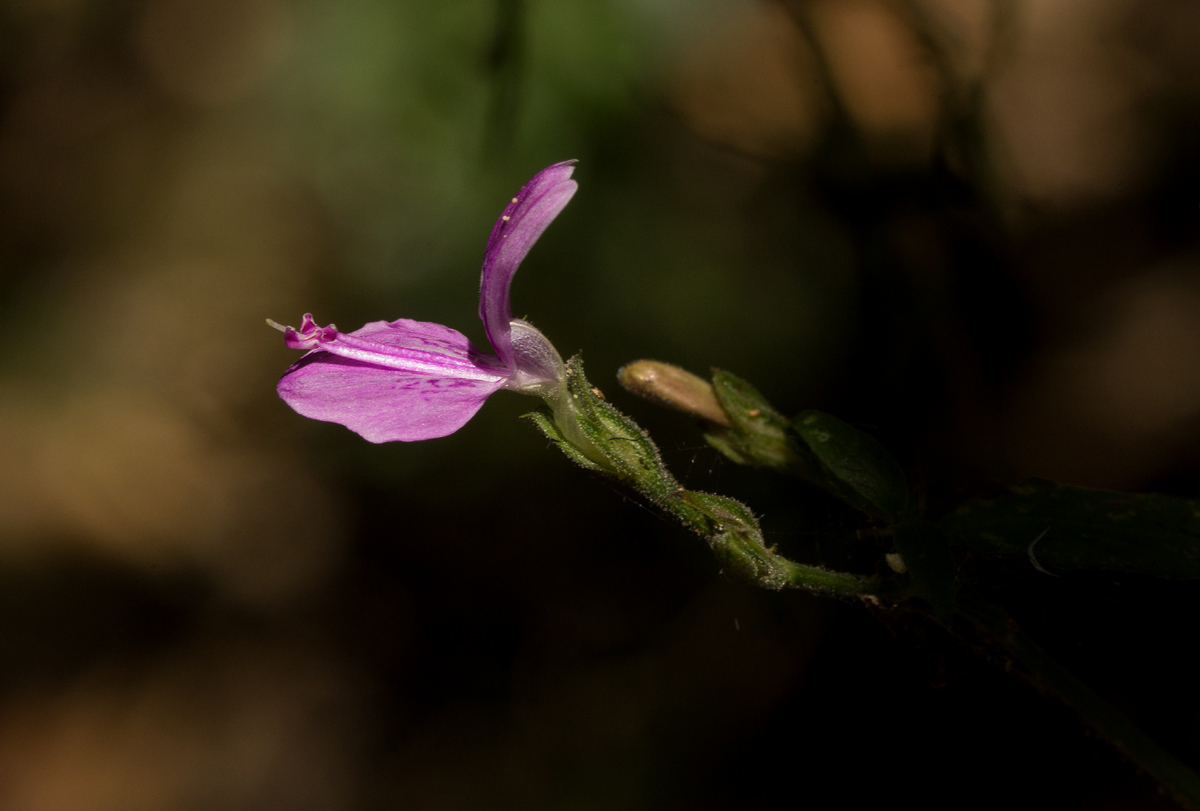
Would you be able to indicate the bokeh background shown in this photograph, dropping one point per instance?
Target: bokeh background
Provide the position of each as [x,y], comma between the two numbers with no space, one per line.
[970,226]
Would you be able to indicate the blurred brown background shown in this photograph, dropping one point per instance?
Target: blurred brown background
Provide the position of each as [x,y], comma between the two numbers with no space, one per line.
[971,226]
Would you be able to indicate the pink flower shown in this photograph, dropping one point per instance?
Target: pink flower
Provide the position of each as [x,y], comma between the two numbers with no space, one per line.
[407,380]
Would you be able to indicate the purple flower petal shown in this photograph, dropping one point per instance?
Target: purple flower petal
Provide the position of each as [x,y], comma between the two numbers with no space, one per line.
[409,380]
[523,220]
[404,380]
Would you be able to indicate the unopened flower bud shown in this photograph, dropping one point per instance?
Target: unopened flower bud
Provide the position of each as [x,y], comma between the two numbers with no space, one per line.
[673,387]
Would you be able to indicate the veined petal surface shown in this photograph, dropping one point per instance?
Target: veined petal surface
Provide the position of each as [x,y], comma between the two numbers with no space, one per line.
[394,381]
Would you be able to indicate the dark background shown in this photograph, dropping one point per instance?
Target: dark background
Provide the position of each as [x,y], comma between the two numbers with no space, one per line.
[970,228]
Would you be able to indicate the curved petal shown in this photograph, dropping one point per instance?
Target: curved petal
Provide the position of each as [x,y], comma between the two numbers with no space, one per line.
[521,223]
[404,380]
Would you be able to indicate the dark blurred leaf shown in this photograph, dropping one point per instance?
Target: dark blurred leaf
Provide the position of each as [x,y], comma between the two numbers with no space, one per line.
[1077,528]
[926,553]
[857,459]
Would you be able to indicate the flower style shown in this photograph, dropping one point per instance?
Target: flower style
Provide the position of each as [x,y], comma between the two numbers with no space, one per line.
[407,380]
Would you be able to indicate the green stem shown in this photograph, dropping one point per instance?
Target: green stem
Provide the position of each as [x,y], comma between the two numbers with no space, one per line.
[598,437]
[1051,677]
[844,584]
[735,537]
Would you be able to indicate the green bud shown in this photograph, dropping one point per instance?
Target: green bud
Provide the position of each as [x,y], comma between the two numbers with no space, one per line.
[673,387]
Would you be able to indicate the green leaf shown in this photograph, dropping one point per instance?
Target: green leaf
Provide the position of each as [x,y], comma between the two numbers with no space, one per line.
[759,433]
[857,460]
[727,445]
[1076,528]
[762,437]
[925,550]
[544,420]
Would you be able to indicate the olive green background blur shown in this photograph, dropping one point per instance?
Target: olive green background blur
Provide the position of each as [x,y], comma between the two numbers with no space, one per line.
[970,227]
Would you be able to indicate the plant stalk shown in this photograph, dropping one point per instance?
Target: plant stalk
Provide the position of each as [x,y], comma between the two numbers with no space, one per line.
[1178,779]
